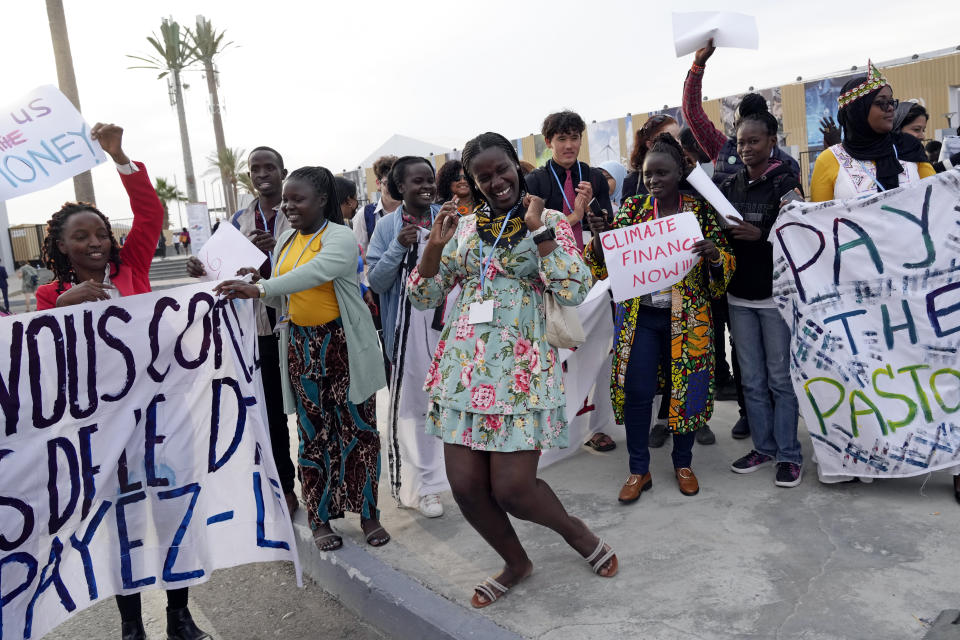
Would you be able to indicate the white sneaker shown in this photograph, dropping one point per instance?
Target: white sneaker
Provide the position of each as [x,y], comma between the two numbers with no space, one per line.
[430,506]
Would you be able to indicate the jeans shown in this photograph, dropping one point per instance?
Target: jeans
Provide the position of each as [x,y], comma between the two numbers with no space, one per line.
[763,340]
[651,347]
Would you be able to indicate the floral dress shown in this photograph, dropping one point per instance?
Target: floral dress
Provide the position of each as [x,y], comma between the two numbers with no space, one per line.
[691,381]
[497,386]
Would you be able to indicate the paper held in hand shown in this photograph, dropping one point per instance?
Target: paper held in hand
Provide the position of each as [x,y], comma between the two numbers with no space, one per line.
[692,31]
[226,251]
[650,256]
[704,185]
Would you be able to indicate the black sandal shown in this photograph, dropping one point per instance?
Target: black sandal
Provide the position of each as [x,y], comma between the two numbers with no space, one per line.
[595,442]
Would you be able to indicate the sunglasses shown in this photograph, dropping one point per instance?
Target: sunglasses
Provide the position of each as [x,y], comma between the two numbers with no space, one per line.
[886,105]
[655,121]
[459,178]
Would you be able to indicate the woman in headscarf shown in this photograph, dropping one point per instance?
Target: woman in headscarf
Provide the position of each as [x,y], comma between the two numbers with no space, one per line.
[872,157]
[615,173]
[911,117]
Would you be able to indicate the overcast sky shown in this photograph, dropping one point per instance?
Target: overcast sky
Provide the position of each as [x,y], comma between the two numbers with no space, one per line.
[328,82]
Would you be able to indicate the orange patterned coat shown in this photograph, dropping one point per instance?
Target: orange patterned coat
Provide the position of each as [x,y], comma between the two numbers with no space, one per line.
[691,381]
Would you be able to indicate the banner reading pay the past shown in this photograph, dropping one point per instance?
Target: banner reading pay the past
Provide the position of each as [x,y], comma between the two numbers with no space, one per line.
[871,290]
[650,256]
[133,453]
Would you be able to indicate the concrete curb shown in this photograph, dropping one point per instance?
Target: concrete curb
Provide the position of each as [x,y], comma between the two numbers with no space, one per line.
[380,595]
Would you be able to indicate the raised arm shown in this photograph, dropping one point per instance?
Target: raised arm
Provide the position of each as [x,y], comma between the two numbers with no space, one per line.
[137,252]
[710,139]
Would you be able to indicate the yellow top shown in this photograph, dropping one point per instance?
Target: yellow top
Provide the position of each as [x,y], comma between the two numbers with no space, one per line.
[826,169]
[314,306]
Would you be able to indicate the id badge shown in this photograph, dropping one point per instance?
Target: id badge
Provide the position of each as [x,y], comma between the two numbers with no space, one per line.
[660,298]
[481,312]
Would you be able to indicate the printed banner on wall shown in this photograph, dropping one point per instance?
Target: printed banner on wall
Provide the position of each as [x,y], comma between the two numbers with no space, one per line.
[821,102]
[134,453]
[43,140]
[871,290]
[604,141]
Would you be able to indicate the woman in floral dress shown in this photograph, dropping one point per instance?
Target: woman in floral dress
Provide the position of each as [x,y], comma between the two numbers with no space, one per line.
[495,384]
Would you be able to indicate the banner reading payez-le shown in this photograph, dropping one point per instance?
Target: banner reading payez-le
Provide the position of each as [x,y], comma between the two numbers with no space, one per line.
[871,291]
[133,453]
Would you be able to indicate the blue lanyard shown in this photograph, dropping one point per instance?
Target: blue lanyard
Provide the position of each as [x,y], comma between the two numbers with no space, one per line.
[266,228]
[485,265]
[557,178]
[283,256]
[873,176]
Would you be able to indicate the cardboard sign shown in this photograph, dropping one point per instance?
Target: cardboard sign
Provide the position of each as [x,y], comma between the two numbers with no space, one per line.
[226,251]
[134,453]
[43,140]
[650,256]
[870,288]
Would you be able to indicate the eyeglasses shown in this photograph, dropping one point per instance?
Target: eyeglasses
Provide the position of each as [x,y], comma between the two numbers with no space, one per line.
[886,105]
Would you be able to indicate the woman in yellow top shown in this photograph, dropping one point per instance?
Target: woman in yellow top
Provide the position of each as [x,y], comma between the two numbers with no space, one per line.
[871,157]
[332,364]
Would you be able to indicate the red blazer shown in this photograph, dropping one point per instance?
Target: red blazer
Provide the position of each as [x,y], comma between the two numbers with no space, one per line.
[132,276]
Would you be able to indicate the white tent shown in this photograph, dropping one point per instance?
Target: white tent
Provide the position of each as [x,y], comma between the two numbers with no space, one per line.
[398,145]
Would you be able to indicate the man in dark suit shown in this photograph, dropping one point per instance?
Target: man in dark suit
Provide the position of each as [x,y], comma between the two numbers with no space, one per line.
[565,183]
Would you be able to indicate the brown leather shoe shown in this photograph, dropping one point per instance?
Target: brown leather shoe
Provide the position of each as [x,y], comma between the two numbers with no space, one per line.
[634,486]
[687,481]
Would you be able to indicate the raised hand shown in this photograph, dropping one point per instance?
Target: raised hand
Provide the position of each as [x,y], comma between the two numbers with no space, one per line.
[702,55]
[110,137]
[534,215]
[444,226]
[830,131]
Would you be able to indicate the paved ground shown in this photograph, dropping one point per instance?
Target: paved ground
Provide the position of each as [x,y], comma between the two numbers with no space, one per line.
[252,602]
[741,560]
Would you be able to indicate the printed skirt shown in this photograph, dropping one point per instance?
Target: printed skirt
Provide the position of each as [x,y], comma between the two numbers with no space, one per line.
[339,453]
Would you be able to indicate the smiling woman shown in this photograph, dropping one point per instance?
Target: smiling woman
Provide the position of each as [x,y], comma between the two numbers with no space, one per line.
[410,335]
[872,157]
[88,266]
[87,262]
[495,384]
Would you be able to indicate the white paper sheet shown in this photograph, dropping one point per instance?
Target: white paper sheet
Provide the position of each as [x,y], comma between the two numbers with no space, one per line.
[226,251]
[692,31]
[700,181]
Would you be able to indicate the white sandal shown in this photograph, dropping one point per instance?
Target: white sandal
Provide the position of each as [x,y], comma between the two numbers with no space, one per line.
[598,559]
[489,589]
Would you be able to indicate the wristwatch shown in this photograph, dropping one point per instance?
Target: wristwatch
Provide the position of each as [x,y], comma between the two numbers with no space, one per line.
[260,288]
[544,234]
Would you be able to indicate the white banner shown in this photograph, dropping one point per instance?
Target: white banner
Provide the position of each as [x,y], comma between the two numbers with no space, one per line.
[198,221]
[650,256]
[134,453]
[43,140]
[871,290]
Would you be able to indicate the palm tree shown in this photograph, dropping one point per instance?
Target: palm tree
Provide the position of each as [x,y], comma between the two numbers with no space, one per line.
[245,181]
[231,164]
[174,56]
[206,45]
[82,183]
[167,192]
